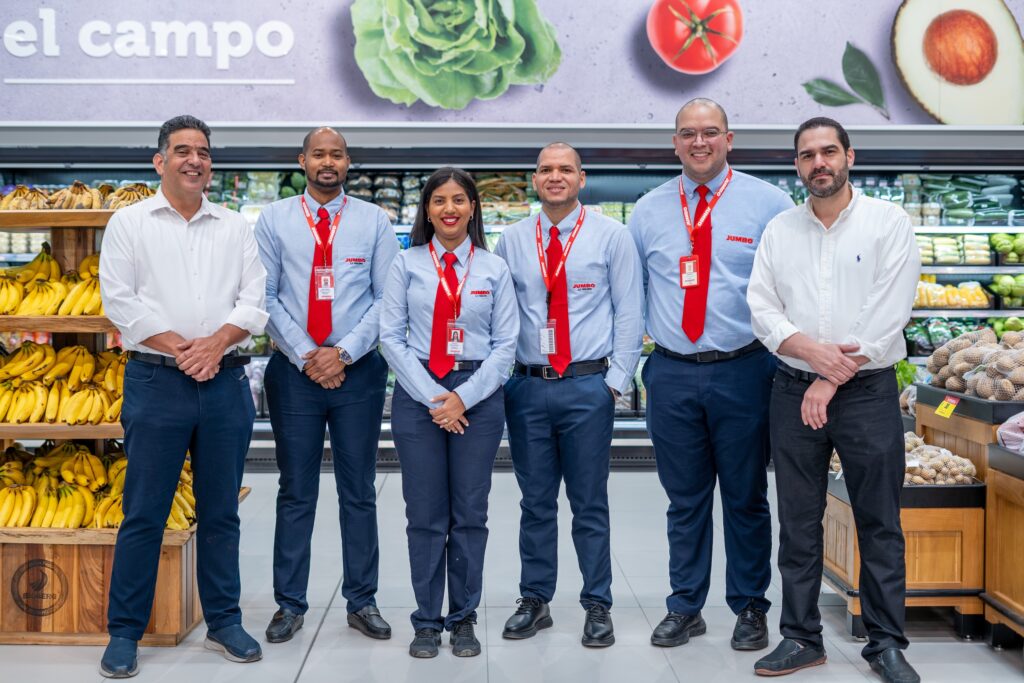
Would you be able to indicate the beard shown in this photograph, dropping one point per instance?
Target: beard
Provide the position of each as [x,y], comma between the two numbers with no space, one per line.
[839,180]
[326,185]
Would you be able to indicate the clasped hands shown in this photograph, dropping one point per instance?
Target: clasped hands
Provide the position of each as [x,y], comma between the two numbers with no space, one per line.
[200,358]
[450,415]
[834,367]
[324,367]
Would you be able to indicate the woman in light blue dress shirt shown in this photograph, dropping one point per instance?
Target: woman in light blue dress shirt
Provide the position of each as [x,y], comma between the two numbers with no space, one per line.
[449,324]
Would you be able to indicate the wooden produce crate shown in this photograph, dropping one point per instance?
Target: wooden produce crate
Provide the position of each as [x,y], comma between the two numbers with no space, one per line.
[944,529]
[55,585]
[1004,547]
[969,430]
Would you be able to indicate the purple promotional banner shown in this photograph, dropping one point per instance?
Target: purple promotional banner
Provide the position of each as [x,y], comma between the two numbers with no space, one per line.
[874,62]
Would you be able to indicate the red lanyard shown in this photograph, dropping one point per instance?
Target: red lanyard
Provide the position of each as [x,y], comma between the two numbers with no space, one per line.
[565,252]
[457,296]
[316,233]
[707,212]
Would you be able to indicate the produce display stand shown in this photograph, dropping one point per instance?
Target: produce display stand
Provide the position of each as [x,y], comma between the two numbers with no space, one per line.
[969,430]
[56,582]
[1004,547]
[944,528]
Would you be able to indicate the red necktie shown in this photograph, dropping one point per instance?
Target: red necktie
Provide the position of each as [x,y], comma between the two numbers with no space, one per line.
[440,362]
[558,305]
[318,323]
[696,298]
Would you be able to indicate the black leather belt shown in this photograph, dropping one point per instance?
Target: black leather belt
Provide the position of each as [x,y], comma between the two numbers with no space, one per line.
[710,356]
[231,360]
[459,365]
[809,377]
[583,367]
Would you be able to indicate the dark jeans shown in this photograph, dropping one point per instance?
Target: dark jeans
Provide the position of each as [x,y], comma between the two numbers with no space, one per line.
[300,412]
[562,429]
[165,414]
[864,426]
[446,479]
[708,422]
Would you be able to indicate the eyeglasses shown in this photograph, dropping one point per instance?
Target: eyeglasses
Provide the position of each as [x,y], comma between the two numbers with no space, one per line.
[708,134]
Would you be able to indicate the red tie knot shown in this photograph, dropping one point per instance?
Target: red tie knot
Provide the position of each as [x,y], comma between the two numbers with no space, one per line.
[554,233]
[449,259]
[702,190]
[322,214]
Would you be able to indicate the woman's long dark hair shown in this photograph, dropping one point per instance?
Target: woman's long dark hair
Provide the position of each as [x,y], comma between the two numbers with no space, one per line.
[423,231]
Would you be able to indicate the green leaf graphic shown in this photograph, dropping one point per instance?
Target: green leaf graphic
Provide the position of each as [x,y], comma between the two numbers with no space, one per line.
[830,93]
[862,77]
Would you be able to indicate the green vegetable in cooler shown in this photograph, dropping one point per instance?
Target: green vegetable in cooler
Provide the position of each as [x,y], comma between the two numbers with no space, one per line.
[1001,242]
[298,181]
[939,332]
[1013,324]
[1012,257]
[449,52]
[906,374]
[287,191]
[959,199]
[1018,245]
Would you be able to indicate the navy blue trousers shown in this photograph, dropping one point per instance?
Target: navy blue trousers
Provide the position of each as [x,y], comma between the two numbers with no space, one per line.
[562,429]
[300,412]
[165,414]
[709,421]
[446,479]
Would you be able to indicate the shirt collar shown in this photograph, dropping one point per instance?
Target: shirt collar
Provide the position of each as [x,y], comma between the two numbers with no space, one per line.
[461,252]
[332,206]
[565,225]
[690,185]
[855,195]
[160,202]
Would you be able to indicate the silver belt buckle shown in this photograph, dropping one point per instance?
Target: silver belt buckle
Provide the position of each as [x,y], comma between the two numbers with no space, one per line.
[544,373]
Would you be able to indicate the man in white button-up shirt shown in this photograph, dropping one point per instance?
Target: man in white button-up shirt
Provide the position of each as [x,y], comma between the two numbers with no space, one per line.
[832,287]
[182,280]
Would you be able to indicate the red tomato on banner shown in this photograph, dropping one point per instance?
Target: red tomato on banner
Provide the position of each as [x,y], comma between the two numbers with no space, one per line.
[695,36]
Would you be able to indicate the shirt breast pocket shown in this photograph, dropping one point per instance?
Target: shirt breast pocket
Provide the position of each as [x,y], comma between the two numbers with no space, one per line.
[352,268]
[737,251]
[588,283]
[477,301]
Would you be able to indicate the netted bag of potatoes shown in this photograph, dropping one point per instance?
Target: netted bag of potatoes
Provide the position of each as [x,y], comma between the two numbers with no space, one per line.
[931,465]
[1012,338]
[911,441]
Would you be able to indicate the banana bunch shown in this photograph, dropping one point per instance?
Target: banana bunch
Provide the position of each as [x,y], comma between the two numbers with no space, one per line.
[30,361]
[110,367]
[16,453]
[90,266]
[84,469]
[23,198]
[109,512]
[127,195]
[83,298]
[12,474]
[17,503]
[43,266]
[115,475]
[77,196]
[25,403]
[75,364]
[43,297]
[89,405]
[49,463]
[11,294]
[183,509]
[66,506]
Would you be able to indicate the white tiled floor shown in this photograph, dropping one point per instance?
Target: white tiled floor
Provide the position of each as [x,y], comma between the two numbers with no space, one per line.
[326,650]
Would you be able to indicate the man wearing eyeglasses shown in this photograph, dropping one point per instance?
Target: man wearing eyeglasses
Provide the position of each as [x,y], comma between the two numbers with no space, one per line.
[709,380]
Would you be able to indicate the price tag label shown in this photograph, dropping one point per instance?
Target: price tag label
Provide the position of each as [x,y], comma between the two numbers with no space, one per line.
[948,405]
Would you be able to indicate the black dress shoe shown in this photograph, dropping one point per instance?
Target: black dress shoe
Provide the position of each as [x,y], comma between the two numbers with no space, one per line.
[424,645]
[531,616]
[463,639]
[751,632]
[369,621]
[120,659]
[788,657]
[597,629]
[283,626]
[892,666]
[676,629]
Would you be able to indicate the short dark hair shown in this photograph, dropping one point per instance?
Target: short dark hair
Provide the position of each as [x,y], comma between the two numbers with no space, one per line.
[310,134]
[423,231]
[562,145]
[183,122]
[822,122]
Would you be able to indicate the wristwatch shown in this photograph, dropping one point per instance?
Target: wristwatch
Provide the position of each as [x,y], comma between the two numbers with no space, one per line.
[345,357]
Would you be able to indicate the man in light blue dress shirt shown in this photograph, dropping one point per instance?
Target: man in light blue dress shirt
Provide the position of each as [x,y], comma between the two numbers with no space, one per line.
[336,382]
[707,396]
[560,423]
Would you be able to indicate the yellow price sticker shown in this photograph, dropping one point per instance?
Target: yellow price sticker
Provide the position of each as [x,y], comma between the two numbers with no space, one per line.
[948,405]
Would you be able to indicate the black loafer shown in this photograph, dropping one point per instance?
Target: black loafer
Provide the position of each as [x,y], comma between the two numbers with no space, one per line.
[424,645]
[283,626]
[463,639]
[751,631]
[120,659]
[893,667]
[788,657]
[597,629]
[370,623]
[531,616]
[676,629]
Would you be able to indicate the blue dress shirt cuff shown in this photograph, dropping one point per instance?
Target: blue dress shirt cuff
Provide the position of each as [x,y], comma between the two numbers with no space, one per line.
[617,379]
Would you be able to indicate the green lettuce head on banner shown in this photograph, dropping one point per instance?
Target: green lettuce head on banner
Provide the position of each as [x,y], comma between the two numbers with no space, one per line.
[449,52]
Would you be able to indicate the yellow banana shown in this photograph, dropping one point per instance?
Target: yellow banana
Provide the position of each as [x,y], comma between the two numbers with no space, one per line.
[99,474]
[98,518]
[99,406]
[116,467]
[28,507]
[113,413]
[67,470]
[69,408]
[60,516]
[90,506]
[40,402]
[52,403]
[42,504]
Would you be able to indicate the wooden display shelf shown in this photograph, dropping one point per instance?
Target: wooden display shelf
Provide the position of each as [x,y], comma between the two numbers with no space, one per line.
[55,430]
[54,218]
[88,324]
[1004,547]
[964,436]
[56,586]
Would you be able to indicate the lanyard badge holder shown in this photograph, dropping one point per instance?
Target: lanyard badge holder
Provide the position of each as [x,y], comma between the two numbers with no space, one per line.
[548,345]
[323,275]
[324,283]
[455,335]
[689,266]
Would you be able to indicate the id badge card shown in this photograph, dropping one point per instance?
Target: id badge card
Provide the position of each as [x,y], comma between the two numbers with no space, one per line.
[324,283]
[689,273]
[547,339]
[456,338]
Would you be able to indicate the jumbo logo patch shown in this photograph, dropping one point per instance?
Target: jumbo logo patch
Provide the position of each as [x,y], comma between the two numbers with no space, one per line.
[480,292]
[739,238]
[356,260]
[584,285]
[39,588]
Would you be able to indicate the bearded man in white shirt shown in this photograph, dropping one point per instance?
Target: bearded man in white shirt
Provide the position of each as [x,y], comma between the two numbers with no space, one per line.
[182,280]
[832,287]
